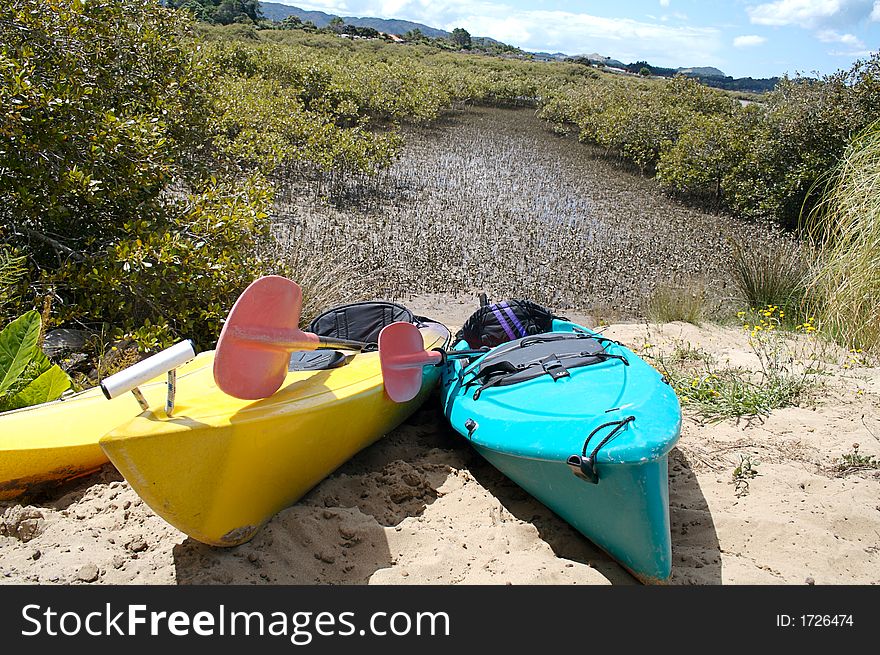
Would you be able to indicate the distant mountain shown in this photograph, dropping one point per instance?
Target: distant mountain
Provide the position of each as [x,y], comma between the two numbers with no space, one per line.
[702,71]
[276,11]
[549,56]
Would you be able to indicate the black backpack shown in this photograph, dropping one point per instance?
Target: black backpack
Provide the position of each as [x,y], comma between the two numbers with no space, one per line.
[492,325]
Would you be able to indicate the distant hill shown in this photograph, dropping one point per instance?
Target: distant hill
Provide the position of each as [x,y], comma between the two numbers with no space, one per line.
[706,74]
[702,71]
[596,58]
[276,11]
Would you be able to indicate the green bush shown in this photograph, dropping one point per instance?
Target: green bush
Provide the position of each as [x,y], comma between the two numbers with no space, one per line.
[98,96]
[759,161]
[635,119]
[176,275]
[134,160]
[700,161]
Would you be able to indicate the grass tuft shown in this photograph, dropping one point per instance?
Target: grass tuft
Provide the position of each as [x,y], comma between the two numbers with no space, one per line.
[325,282]
[765,276]
[671,303]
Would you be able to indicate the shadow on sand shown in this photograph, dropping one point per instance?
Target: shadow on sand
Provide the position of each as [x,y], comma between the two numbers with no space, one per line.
[564,540]
[696,553]
[695,550]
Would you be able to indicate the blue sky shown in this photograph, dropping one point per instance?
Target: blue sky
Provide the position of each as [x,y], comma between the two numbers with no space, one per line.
[757,38]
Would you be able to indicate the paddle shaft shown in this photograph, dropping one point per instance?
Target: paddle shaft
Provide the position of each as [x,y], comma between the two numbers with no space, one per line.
[346,344]
[293,339]
[465,353]
[434,357]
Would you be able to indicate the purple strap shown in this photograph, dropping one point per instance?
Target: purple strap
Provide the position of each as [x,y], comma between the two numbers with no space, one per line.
[513,319]
[504,324]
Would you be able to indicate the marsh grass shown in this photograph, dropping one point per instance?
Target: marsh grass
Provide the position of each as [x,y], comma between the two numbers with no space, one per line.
[845,289]
[327,279]
[490,202]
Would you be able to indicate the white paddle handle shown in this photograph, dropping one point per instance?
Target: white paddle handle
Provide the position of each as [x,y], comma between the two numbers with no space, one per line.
[152,367]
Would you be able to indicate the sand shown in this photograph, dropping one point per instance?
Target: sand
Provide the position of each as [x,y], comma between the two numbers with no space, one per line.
[421,507]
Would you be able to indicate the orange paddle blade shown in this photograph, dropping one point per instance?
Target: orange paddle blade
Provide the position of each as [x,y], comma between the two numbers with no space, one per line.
[403,356]
[253,351]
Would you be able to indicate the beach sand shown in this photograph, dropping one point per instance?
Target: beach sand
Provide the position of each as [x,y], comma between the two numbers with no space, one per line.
[420,506]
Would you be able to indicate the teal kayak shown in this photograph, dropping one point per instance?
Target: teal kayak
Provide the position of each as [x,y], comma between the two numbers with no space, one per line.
[582,424]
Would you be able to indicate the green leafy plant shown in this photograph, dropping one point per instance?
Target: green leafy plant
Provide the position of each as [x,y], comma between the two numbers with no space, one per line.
[27,377]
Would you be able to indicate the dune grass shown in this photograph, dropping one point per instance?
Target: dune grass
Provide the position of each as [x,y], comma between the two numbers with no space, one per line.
[677,303]
[845,288]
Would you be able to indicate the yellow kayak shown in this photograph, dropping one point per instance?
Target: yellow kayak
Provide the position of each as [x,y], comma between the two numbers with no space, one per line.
[47,444]
[221,467]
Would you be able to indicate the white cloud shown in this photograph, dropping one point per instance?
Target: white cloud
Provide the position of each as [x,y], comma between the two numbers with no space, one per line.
[328,6]
[664,3]
[748,40]
[621,38]
[855,47]
[832,36]
[812,14]
[850,54]
[536,29]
